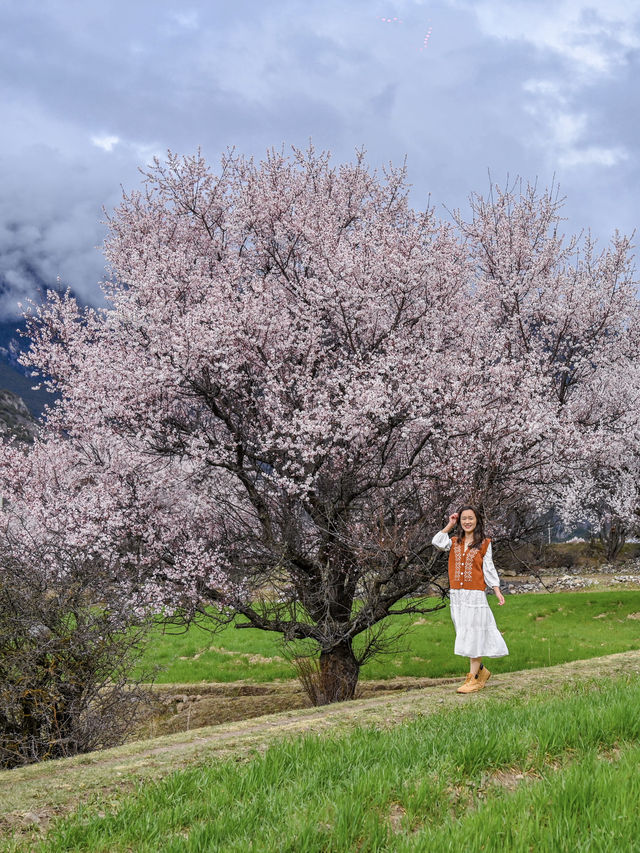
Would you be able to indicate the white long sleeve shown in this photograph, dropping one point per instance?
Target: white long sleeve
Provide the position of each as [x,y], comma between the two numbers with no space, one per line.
[441,541]
[489,570]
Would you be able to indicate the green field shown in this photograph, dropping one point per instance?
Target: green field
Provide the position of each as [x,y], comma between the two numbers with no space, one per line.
[540,630]
[531,773]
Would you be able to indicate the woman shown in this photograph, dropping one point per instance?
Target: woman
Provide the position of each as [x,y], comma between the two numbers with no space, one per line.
[471,569]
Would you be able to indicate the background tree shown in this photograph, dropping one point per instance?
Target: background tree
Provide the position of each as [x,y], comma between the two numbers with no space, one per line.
[565,330]
[299,375]
[609,496]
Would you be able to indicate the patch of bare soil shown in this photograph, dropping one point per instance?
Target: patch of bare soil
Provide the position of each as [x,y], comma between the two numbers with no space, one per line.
[32,795]
[183,707]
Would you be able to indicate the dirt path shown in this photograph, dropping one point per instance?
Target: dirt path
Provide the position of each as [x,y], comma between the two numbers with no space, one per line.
[33,794]
[182,707]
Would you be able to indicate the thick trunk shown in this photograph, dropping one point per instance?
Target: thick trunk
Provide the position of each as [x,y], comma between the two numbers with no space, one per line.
[337,674]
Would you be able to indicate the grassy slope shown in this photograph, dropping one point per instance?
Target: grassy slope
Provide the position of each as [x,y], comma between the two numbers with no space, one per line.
[100,779]
[537,628]
[540,630]
[552,766]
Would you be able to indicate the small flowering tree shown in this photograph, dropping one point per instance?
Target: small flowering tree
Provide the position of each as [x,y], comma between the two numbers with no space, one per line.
[299,375]
[609,493]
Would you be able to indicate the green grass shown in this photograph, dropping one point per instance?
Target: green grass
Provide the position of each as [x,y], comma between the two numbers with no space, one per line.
[540,630]
[555,773]
[594,806]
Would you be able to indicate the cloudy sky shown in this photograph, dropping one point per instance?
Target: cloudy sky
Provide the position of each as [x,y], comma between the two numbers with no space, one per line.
[91,91]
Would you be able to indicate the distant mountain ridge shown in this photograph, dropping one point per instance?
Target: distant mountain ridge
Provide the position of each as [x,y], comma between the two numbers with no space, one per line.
[10,340]
[13,376]
[15,418]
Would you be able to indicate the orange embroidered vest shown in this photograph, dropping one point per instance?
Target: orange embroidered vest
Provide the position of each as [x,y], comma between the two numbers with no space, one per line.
[465,569]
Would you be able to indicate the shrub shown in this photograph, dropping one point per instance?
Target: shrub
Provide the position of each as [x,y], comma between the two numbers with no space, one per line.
[67,647]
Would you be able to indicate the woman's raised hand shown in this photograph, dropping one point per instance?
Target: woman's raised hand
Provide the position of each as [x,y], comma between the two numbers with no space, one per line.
[452,522]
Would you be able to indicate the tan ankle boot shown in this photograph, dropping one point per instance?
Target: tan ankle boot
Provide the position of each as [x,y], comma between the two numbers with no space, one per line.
[483,676]
[475,682]
[469,684]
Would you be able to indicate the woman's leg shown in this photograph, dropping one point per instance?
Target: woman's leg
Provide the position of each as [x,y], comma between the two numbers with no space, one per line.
[474,665]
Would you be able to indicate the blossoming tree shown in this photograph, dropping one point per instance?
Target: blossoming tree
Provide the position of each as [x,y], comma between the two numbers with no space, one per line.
[566,318]
[299,374]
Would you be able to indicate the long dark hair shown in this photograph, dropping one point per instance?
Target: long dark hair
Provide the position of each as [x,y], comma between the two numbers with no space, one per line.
[478,533]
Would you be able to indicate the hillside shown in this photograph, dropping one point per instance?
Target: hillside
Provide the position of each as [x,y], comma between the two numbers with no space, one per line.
[12,374]
[20,385]
[34,794]
[15,417]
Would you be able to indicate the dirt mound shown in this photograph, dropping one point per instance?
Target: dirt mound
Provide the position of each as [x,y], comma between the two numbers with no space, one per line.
[183,707]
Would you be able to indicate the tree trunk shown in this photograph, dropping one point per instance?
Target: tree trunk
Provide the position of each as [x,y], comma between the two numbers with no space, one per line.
[338,674]
[613,537]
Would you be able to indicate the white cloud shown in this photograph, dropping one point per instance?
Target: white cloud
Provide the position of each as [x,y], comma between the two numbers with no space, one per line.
[187,20]
[520,87]
[52,231]
[593,38]
[105,142]
[563,131]
[548,88]
[593,155]
[585,46]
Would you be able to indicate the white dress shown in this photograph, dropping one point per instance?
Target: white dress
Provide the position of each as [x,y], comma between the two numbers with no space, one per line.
[477,634]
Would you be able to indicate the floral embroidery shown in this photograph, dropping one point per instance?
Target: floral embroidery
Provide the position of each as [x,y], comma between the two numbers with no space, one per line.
[468,563]
[458,560]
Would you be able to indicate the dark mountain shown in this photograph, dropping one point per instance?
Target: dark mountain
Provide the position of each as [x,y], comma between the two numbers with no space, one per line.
[10,340]
[15,382]
[15,417]
[13,376]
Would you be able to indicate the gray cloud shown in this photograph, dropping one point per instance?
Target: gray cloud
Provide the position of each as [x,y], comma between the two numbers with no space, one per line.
[50,224]
[91,91]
